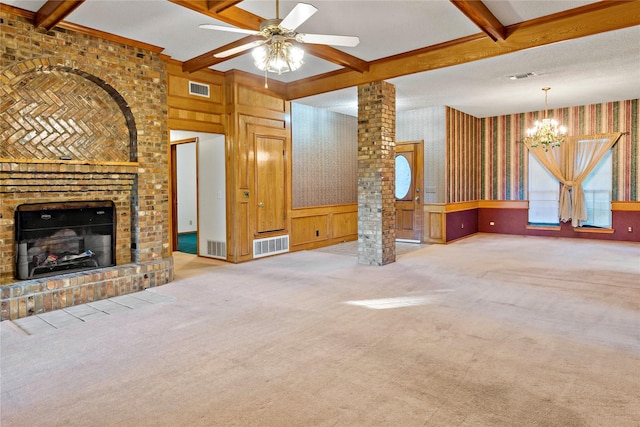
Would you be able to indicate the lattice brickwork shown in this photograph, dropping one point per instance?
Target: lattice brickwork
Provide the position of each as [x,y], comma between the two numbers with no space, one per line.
[54,114]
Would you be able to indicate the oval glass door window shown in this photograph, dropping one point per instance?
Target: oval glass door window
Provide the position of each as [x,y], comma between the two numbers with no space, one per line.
[403,177]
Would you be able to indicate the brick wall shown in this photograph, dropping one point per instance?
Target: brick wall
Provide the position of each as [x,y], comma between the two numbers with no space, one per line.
[376,173]
[101,104]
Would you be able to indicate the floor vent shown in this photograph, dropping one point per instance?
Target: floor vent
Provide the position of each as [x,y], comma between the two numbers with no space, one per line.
[217,249]
[198,89]
[270,246]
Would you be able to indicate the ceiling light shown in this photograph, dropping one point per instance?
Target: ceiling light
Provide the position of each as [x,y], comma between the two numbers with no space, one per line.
[547,132]
[278,56]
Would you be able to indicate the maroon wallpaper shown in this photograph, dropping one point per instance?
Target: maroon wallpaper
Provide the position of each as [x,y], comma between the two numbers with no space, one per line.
[461,224]
[514,221]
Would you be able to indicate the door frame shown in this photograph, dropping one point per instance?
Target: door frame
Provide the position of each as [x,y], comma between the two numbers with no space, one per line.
[173,184]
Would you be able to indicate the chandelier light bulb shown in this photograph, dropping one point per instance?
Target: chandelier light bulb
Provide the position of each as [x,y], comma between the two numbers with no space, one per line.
[278,57]
[546,132]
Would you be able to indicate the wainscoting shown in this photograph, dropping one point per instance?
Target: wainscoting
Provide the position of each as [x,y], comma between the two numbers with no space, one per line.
[323,226]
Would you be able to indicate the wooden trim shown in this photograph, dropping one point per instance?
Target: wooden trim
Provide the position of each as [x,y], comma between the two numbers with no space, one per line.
[173,191]
[184,141]
[439,207]
[461,206]
[70,162]
[12,10]
[594,230]
[543,227]
[322,210]
[195,126]
[486,204]
[625,206]
[503,204]
[108,36]
[628,206]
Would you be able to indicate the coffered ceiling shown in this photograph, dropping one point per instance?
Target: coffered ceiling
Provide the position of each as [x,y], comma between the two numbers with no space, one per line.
[436,52]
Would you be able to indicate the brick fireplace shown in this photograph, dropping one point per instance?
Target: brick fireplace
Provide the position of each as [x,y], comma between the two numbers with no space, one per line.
[83,120]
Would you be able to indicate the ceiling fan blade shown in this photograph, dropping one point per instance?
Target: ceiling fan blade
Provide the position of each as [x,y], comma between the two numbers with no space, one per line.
[233,51]
[229,29]
[297,16]
[349,41]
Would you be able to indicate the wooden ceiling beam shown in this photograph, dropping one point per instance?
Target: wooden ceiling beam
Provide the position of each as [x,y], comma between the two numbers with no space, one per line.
[208,59]
[594,18]
[54,11]
[219,6]
[480,15]
[232,15]
[336,56]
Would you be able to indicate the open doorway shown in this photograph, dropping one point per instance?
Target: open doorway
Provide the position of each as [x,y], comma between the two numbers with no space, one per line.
[198,193]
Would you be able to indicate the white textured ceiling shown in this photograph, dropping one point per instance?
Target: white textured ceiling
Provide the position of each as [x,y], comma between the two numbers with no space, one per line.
[599,68]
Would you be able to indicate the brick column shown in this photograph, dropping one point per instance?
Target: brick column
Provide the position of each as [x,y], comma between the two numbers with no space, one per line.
[376,173]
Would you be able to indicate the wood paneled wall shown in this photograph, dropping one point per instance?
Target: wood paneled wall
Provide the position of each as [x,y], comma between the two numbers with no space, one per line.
[322,226]
[192,112]
[244,111]
[254,112]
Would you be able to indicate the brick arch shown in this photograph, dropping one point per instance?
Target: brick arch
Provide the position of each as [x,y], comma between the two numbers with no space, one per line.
[61,104]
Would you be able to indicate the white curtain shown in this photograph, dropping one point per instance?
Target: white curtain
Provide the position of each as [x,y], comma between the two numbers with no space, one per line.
[570,164]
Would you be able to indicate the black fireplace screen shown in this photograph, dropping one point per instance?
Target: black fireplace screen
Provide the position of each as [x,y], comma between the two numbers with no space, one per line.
[56,238]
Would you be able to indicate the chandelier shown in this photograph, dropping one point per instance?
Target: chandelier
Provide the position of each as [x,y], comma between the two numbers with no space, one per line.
[278,56]
[546,132]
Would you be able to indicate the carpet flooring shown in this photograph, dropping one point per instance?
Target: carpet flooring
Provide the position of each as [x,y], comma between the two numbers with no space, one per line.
[491,330]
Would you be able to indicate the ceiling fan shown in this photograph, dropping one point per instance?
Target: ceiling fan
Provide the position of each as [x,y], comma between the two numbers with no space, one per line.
[281,55]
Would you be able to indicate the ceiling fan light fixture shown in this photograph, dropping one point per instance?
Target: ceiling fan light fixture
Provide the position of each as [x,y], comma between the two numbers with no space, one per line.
[279,56]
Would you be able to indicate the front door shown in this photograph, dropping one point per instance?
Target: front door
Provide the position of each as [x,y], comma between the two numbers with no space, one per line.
[408,189]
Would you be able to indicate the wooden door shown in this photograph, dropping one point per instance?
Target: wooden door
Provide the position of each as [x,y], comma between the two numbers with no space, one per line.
[408,189]
[270,183]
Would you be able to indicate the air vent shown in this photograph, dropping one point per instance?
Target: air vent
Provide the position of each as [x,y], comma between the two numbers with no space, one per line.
[521,76]
[217,249]
[198,89]
[270,246]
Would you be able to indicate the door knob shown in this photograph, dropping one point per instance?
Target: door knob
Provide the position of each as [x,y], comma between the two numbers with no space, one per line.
[261,205]
[417,198]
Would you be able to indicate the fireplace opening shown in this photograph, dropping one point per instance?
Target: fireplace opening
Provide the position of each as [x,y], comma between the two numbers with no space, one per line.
[56,238]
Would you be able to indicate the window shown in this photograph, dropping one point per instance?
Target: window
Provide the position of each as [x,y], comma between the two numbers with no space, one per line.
[544,194]
[597,193]
[544,191]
